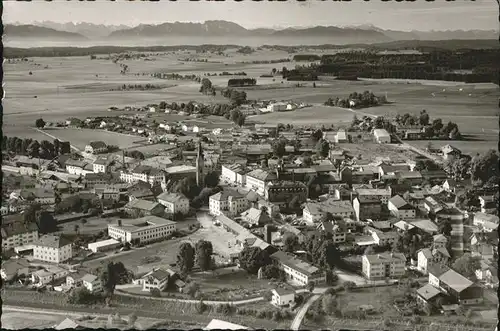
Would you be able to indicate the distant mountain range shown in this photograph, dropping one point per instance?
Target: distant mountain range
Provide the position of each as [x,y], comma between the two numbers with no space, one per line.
[366,33]
[39,32]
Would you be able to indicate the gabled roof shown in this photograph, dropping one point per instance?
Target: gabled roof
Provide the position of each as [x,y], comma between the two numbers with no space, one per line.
[216,324]
[437,270]
[172,197]
[428,292]
[159,274]
[15,228]
[283,291]
[262,175]
[455,280]
[226,194]
[52,241]
[89,278]
[399,202]
[295,263]
[426,252]
[142,204]
[67,324]
[385,257]
[256,216]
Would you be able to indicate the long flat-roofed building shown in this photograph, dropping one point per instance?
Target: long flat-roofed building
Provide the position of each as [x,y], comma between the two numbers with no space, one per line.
[145,229]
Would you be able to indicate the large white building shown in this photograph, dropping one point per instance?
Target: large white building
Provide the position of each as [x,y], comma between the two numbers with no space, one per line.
[174,203]
[382,136]
[384,194]
[383,265]
[233,174]
[15,234]
[297,270]
[229,202]
[145,229]
[52,248]
[257,180]
[78,167]
[143,173]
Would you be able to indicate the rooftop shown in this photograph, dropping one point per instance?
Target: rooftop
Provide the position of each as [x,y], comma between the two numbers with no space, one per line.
[329,206]
[171,197]
[428,291]
[455,280]
[52,241]
[262,175]
[295,263]
[226,194]
[386,257]
[142,204]
[143,223]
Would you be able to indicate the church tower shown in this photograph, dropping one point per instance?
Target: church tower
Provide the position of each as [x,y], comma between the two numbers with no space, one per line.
[200,164]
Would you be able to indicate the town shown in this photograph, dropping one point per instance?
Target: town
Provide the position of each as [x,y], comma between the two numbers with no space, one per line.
[319,223]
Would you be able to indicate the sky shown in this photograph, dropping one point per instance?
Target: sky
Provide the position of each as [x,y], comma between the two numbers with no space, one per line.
[419,15]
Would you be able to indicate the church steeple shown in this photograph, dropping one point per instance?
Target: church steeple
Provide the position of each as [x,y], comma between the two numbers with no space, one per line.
[200,164]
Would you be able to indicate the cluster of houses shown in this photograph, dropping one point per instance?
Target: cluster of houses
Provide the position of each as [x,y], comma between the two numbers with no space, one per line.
[360,204]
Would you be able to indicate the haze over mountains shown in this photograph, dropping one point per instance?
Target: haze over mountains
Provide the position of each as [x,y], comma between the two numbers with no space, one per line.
[221,31]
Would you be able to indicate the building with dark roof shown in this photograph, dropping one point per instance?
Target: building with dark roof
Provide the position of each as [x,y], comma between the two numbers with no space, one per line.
[229,202]
[139,208]
[18,233]
[286,193]
[400,208]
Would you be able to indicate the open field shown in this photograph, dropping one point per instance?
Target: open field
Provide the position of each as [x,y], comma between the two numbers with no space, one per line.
[473,107]
[467,147]
[17,320]
[373,151]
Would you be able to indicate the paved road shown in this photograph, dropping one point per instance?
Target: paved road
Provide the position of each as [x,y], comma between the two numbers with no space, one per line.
[302,312]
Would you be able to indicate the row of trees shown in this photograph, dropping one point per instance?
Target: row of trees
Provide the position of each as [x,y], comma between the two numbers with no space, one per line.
[235,82]
[200,255]
[139,87]
[29,147]
[357,100]
[226,73]
[237,97]
[175,76]
[434,129]
[483,169]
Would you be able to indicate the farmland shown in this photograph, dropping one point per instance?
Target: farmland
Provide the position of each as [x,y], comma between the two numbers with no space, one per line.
[62,87]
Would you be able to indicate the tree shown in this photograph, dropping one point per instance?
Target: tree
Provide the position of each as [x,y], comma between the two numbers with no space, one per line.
[187,186]
[114,274]
[278,147]
[40,123]
[204,251]
[212,179]
[186,258]
[317,135]
[290,241]
[310,286]
[329,304]
[46,222]
[424,118]
[253,258]
[484,167]
[466,265]
[155,292]
[379,122]
[272,271]
[369,250]
[34,149]
[322,148]
[437,125]
[331,278]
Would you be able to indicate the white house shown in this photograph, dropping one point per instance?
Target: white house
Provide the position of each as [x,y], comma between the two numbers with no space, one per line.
[230,202]
[282,297]
[15,234]
[427,257]
[156,279]
[486,222]
[48,275]
[100,165]
[96,147]
[233,174]
[92,283]
[143,229]
[382,136]
[314,211]
[400,208]
[257,180]
[297,270]
[278,106]
[384,265]
[143,173]
[174,203]
[52,248]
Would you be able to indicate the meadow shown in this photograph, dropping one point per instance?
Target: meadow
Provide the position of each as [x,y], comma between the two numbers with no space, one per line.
[77,86]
